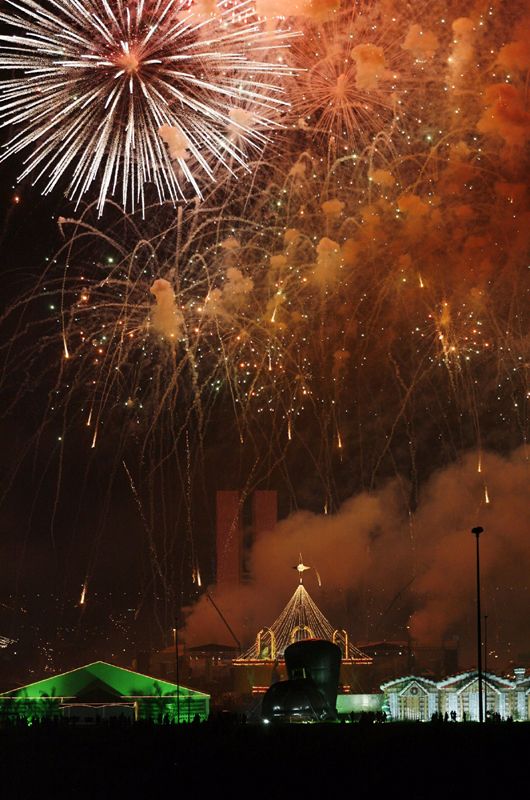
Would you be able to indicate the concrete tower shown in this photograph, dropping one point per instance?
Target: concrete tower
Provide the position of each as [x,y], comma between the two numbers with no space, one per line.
[264,511]
[229,537]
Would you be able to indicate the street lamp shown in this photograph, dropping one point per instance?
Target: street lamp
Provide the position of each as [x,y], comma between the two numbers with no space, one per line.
[176,646]
[485,665]
[476,532]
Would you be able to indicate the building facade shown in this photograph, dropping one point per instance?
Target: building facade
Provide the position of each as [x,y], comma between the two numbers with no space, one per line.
[415,698]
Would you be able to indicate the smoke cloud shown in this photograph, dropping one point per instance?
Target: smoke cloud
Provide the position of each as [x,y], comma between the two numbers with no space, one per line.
[316,10]
[421,43]
[463,47]
[329,261]
[176,141]
[236,289]
[505,114]
[166,318]
[388,573]
[371,67]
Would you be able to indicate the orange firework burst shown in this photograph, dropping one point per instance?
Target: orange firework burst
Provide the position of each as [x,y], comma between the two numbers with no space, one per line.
[352,75]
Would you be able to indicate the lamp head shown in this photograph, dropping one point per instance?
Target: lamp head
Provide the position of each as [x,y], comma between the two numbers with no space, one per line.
[477,530]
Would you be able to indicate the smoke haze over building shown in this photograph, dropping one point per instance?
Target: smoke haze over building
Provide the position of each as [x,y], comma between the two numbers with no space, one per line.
[417,570]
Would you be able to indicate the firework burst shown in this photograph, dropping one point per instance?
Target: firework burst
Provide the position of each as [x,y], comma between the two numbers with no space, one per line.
[129,94]
[352,76]
[348,312]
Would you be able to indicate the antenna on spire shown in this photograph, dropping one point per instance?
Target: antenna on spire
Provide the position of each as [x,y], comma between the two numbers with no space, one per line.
[301,568]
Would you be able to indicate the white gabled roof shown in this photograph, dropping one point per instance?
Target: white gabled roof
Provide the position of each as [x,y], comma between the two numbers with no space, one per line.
[409,679]
[467,678]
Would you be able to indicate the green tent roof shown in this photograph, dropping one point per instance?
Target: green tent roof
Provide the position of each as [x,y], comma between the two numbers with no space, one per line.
[124,683]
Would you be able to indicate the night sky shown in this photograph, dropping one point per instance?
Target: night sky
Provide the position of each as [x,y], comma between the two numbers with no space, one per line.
[344,319]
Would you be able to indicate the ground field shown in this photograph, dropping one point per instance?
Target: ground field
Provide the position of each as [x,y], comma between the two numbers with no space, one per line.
[228,759]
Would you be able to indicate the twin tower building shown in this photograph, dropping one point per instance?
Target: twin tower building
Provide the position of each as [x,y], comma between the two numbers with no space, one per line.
[238,522]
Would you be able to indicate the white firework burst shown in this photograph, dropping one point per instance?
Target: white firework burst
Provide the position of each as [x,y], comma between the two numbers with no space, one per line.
[124,94]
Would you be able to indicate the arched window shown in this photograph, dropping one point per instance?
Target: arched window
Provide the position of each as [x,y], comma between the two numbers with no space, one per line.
[266,644]
[301,632]
[340,638]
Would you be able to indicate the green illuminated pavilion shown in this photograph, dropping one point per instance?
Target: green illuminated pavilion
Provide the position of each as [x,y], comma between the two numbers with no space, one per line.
[102,691]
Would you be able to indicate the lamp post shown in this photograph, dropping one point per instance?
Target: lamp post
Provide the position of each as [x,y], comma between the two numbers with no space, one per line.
[476,532]
[485,666]
[176,644]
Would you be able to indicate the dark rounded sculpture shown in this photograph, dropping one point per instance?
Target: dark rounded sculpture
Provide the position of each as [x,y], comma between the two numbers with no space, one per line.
[319,660]
[310,694]
[296,700]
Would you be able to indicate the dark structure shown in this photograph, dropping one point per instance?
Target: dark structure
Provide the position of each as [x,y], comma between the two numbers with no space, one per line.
[264,510]
[233,534]
[393,659]
[476,532]
[300,620]
[310,693]
[229,538]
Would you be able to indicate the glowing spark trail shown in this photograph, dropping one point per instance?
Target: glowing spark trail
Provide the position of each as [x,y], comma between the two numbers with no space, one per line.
[134,93]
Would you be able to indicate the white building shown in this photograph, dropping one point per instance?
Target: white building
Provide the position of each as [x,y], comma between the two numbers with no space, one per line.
[416,698]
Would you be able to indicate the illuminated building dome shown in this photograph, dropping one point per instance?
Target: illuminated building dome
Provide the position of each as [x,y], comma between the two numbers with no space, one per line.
[264,662]
[301,619]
